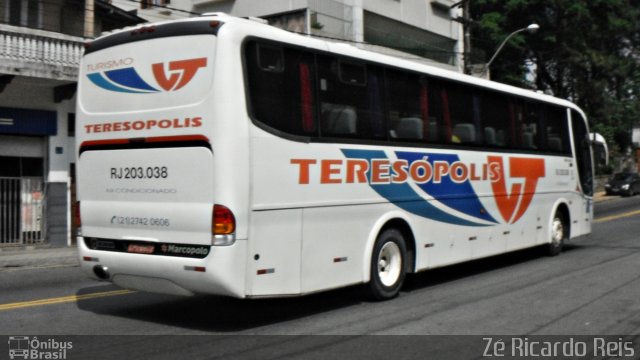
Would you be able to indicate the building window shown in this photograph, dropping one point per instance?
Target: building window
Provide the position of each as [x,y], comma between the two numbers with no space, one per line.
[383,31]
[24,13]
[295,21]
[441,9]
[71,124]
[17,166]
[147,4]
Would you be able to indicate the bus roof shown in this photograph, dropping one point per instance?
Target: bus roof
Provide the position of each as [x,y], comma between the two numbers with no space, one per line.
[262,30]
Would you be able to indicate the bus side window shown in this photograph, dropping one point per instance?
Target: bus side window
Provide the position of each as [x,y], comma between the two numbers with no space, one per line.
[306,98]
[557,135]
[460,104]
[352,74]
[339,120]
[270,58]
[445,129]
[281,88]
[350,99]
[495,119]
[516,128]
[375,114]
[531,135]
[408,106]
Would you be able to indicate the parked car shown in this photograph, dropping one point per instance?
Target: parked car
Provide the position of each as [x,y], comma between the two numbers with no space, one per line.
[626,184]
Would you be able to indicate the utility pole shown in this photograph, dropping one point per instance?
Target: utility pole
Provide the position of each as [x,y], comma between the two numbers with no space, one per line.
[89,18]
[466,22]
[357,21]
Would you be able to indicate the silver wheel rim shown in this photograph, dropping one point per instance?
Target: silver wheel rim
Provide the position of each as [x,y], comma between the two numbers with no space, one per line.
[557,232]
[389,264]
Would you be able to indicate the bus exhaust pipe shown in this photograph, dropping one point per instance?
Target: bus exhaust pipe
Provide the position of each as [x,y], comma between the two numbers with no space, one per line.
[101,272]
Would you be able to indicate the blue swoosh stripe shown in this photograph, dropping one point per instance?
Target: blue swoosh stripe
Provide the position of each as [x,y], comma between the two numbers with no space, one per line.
[460,196]
[129,77]
[404,197]
[100,81]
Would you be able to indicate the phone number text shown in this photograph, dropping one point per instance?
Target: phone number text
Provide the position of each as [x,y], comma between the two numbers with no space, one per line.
[141,221]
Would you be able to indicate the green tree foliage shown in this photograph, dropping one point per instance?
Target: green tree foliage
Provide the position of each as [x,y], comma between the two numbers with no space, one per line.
[585,51]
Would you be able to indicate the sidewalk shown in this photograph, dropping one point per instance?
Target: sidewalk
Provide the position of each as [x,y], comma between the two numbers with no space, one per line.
[600,196]
[11,258]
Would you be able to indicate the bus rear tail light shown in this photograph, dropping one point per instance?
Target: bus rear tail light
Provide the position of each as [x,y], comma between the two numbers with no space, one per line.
[223,220]
[223,226]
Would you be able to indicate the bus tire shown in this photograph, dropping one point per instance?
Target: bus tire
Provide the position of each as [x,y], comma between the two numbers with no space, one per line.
[559,233]
[388,266]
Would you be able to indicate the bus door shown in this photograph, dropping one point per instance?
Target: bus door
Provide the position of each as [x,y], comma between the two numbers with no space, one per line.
[584,164]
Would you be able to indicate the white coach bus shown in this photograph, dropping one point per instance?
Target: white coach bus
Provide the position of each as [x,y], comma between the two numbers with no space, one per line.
[221,155]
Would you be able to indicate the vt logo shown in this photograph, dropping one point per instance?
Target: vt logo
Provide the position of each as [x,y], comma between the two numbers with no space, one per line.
[514,203]
[182,72]
[127,80]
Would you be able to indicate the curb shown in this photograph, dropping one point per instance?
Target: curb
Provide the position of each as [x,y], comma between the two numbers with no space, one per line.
[30,256]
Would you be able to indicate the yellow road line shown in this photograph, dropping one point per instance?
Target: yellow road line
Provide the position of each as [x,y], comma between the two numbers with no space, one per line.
[63,299]
[618,216]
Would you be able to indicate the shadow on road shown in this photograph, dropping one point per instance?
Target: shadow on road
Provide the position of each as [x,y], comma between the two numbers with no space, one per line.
[454,272]
[215,313]
[221,314]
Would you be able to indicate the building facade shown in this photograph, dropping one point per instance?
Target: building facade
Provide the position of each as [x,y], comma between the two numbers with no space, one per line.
[157,10]
[41,42]
[422,30]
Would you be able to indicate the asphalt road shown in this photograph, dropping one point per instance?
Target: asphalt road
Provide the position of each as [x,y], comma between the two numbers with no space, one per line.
[591,289]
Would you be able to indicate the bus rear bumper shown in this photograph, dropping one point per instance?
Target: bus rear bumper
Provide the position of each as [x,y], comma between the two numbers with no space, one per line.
[220,273]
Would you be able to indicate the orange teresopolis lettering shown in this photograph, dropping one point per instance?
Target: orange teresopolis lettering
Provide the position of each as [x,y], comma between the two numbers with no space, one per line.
[380,171]
[386,171]
[329,168]
[421,171]
[357,170]
[400,172]
[303,171]
[138,125]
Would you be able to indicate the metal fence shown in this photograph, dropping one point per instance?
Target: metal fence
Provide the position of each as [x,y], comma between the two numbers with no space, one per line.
[22,204]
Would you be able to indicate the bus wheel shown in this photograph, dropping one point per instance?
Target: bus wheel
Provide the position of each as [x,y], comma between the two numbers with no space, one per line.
[559,232]
[388,263]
